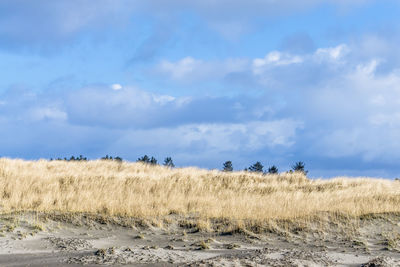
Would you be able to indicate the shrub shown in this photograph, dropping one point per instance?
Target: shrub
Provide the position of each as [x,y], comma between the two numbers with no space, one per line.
[153,161]
[256,167]
[273,170]
[168,162]
[227,166]
[144,159]
[147,160]
[107,157]
[82,158]
[299,167]
[72,158]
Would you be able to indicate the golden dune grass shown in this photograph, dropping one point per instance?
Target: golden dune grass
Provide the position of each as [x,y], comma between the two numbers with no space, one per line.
[143,191]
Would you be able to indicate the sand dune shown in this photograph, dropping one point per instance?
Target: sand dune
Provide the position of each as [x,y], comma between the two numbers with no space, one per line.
[107,212]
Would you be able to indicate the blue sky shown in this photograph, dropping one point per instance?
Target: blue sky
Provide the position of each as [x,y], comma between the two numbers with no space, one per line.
[204,82]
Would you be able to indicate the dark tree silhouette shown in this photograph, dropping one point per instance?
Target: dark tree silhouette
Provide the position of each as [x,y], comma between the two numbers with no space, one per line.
[107,157]
[82,158]
[168,162]
[299,167]
[147,160]
[153,161]
[273,170]
[228,166]
[144,159]
[72,158]
[256,167]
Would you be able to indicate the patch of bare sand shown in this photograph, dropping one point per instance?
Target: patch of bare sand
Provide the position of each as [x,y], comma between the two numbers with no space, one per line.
[29,240]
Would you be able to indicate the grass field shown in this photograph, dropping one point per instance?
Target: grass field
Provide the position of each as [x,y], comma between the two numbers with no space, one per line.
[118,212]
[143,191]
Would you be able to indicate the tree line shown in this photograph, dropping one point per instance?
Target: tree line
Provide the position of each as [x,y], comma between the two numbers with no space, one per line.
[168,162]
[259,168]
[226,167]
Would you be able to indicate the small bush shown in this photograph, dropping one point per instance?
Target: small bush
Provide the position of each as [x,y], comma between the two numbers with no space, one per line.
[153,161]
[72,158]
[147,160]
[272,170]
[227,166]
[107,157]
[144,159]
[168,162]
[299,167]
[256,167]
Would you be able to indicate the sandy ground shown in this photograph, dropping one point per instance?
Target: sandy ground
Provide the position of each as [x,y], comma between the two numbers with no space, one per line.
[27,240]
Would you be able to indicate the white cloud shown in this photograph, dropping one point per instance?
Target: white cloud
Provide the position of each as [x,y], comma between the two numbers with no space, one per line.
[353,108]
[275,58]
[219,137]
[164,99]
[189,69]
[339,97]
[363,108]
[332,53]
[116,86]
[180,69]
[130,107]
[130,121]
[365,70]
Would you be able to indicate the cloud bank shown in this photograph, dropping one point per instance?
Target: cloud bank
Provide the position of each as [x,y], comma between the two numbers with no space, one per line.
[204,82]
[345,110]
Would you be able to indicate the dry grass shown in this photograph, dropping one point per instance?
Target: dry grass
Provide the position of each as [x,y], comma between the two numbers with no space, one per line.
[143,191]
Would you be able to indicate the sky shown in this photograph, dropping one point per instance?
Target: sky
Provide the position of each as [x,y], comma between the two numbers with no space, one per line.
[204,81]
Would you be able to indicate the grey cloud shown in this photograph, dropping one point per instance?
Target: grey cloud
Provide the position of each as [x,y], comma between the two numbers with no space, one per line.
[41,24]
[152,45]
[133,108]
[129,122]
[129,108]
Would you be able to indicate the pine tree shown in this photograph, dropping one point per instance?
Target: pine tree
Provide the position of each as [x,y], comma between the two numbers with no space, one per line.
[227,166]
[168,162]
[144,159]
[153,161]
[256,167]
[299,167]
[273,170]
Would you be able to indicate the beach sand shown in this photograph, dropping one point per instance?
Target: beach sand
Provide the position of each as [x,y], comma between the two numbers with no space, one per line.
[29,239]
